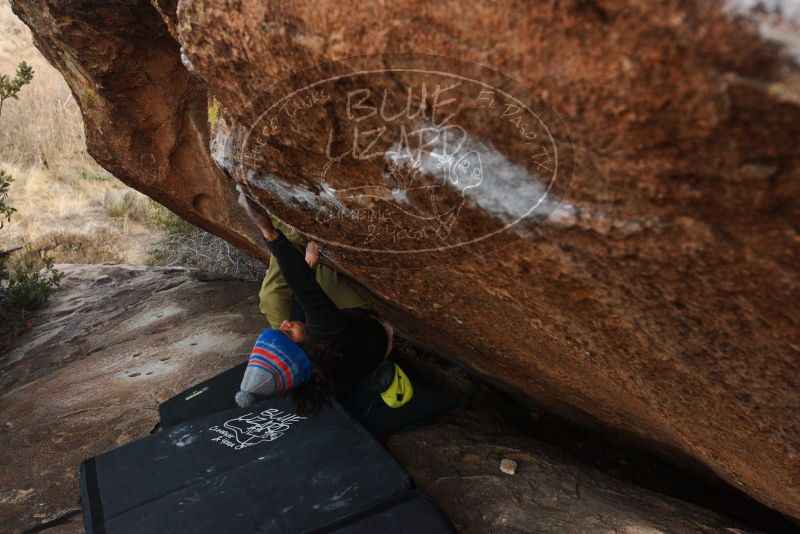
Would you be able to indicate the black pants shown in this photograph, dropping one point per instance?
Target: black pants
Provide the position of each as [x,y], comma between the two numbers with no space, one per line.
[322,317]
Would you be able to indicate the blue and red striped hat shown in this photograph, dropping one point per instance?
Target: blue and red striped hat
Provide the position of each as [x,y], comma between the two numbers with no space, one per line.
[277,365]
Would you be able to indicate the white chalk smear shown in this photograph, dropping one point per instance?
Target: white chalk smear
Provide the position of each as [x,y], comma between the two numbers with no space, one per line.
[293,194]
[778,21]
[483,174]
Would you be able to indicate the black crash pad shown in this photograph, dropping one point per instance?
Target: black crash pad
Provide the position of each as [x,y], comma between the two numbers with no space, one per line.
[261,469]
[208,397]
[217,394]
[407,513]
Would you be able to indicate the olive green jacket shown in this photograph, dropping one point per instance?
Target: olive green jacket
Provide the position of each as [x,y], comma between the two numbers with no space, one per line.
[275,297]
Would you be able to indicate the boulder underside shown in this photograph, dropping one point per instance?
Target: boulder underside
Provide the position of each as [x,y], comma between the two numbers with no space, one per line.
[653,290]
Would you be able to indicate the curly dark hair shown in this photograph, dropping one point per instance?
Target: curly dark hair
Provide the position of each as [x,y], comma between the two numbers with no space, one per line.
[326,358]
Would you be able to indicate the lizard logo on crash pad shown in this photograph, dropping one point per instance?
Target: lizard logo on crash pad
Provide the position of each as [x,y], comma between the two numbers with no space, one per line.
[254,428]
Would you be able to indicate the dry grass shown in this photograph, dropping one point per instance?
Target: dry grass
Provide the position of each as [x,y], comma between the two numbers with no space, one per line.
[66,203]
[78,221]
[54,138]
[186,245]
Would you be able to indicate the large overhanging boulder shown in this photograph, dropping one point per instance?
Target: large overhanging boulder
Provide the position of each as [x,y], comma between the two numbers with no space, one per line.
[629,259]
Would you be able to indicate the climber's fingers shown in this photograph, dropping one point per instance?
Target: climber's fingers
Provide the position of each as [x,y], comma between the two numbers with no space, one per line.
[253,211]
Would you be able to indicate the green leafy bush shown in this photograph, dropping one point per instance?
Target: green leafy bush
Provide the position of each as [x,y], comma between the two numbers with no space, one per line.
[28,280]
[9,87]
[5,209]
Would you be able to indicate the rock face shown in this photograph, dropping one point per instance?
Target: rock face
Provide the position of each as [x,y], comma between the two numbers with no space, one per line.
[117,340]
[456,464]
[112,344]
[660,297]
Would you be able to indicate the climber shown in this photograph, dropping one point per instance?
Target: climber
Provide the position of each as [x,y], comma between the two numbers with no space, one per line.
[276,300]
[346,346]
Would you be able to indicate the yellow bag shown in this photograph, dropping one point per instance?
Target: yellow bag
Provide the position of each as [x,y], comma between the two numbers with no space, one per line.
[399,391]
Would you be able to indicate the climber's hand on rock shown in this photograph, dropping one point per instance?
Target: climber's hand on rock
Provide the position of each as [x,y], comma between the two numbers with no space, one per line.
[252,211]
[312,254]
[262,221]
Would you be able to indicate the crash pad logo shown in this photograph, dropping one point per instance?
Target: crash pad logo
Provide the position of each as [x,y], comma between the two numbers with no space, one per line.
[251,429]
[413,155]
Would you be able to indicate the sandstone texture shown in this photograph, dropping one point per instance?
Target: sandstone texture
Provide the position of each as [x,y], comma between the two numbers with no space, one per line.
[455,463]
[655,289]
[117,340]
[113,343]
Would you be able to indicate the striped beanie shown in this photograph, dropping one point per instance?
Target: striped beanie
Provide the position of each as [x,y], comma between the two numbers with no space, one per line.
[277,365]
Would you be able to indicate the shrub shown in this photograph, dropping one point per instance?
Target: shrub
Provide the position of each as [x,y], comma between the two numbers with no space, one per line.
[118,205]
[184,244]
[130,205]
[9,87]
[83,174]
[30,282]
[5,209]
[31,278]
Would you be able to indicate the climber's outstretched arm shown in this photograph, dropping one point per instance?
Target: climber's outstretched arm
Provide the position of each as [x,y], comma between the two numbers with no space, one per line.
[263,222]
[322,316]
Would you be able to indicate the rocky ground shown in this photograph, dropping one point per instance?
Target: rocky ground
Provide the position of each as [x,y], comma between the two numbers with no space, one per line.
[660,297]
[116,340]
